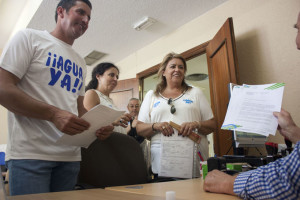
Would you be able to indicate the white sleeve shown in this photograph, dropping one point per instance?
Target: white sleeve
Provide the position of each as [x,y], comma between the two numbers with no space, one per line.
[17,55]
[205,109]
[145,108]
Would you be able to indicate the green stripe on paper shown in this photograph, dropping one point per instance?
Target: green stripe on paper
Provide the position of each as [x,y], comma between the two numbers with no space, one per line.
[275,86]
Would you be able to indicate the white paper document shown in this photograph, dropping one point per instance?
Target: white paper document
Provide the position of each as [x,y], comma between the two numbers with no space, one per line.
[176,156]
[251,108]
[98,117]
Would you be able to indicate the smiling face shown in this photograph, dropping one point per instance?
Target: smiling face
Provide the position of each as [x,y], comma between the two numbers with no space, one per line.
[75,22]
[174,71]
[108,81]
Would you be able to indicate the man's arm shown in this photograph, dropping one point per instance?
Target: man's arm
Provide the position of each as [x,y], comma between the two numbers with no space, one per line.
[277,180]
[219,182]
[287,126]
[18,102]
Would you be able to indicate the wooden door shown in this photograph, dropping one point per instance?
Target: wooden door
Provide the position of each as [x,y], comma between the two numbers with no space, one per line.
[125,90]
[222,70]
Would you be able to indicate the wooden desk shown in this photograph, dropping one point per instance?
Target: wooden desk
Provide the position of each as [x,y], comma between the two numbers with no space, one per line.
[92,194]
[186,189]
[191,189]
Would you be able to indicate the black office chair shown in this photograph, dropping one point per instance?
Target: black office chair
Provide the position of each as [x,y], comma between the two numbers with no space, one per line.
[116,161]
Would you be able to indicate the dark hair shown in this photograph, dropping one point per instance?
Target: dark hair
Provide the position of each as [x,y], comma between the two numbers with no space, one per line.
[161,86]
[67,4]
[99,70]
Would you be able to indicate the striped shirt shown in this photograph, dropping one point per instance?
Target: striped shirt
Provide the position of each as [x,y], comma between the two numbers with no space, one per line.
[277,180]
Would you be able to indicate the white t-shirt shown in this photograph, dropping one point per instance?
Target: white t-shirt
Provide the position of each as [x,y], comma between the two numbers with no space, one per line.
[106,101]
[49,71]
[192,106]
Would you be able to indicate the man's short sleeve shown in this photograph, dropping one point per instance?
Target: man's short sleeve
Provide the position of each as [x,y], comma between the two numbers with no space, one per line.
[17,54]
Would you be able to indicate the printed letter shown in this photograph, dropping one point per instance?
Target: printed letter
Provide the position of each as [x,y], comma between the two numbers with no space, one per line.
[54,76]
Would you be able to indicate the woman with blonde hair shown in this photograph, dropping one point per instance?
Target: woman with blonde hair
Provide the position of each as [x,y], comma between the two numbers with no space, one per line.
[174,100]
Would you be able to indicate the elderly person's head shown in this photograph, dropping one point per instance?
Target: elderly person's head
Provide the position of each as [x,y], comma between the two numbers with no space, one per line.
[134,106]
[172,70]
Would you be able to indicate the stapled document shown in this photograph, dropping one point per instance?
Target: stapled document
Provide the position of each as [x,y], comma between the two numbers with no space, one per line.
[251,108]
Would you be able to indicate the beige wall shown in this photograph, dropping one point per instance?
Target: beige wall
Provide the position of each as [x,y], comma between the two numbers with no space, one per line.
[265,40]
[265,45]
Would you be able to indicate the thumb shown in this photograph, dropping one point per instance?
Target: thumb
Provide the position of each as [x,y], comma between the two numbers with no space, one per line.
[276,114]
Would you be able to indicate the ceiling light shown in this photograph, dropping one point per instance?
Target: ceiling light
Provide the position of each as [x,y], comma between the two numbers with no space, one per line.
[93,57]
[144,23]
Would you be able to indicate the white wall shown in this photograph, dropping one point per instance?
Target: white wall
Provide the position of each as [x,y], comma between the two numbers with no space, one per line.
[265,40]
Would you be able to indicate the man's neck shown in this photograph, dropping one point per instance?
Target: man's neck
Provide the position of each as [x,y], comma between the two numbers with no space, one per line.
[61,36]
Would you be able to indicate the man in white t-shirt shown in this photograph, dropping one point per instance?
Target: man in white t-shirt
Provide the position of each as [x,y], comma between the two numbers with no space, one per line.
[42,86]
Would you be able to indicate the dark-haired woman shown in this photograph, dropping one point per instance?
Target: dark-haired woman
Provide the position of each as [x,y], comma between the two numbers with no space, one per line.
[173,100]
[104,80]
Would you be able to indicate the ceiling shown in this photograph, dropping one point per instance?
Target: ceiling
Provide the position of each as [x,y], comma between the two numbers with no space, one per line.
[110,29]
[8,20]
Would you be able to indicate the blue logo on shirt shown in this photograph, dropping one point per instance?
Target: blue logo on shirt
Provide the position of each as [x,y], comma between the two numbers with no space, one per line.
[188,101]
[59,65]
[156,104]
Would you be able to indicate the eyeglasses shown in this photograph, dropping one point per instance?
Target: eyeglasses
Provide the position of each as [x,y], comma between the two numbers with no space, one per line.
[173,109]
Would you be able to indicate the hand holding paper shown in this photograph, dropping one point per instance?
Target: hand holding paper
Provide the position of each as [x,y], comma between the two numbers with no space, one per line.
[251,108]
[98,117]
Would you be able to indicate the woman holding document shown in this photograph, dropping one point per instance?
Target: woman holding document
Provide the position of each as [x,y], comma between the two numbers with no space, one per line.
[173,100]
[104,80]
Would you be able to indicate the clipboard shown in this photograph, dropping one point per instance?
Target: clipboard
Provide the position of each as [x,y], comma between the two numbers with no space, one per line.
[193,136]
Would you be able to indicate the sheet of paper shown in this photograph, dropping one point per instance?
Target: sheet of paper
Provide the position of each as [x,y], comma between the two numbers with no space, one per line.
[251,108]
[176,156]
[98,117]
